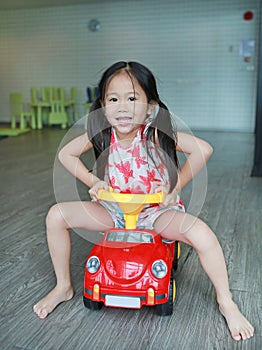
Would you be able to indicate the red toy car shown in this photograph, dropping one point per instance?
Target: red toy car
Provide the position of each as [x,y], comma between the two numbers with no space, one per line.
[130,268]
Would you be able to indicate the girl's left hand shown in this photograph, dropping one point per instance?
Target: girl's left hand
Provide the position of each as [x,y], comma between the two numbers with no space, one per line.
[171,198]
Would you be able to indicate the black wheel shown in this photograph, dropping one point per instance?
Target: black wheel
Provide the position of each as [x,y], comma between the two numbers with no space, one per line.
[166,309]
[176,256]
[92,305]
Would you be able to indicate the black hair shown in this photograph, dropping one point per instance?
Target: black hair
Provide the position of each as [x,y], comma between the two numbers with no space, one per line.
[99,129]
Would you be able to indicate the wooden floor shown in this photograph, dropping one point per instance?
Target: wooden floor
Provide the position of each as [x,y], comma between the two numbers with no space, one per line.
[233,208]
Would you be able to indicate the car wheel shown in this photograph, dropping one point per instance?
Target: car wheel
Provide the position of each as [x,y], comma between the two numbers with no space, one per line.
[92,305]
[176,256]
[166,309]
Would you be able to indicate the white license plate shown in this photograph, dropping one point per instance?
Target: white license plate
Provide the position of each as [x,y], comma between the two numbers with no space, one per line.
[120,301]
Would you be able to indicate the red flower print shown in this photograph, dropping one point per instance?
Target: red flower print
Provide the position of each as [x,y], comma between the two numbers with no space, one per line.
[124,168]
[148,179]
[114,147]
[136,154]
[113,183]
[137,190]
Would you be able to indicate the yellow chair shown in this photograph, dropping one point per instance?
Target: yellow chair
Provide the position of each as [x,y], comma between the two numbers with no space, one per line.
[58,114]
[17,108]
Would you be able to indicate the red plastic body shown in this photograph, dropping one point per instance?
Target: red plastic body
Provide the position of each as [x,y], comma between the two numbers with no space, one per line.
[124,277]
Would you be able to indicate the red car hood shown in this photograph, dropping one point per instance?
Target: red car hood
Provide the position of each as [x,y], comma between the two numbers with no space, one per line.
[128,264]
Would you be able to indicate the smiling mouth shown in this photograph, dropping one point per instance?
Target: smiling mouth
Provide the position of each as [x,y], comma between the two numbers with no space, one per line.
[124,120]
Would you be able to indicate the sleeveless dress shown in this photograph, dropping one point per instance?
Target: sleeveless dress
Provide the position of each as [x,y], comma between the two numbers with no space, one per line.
[131,170]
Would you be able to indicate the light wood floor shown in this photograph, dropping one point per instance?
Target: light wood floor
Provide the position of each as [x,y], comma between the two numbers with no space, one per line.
[233,208]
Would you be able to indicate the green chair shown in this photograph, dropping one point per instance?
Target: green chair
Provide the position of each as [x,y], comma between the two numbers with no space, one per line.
[71,102]
[60,94]
[58,114]
[17,110]
[39,104]
[47,94]
[56,93]
[34,95]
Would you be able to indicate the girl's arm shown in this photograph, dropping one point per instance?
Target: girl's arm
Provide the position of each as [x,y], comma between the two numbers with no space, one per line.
[69,157]
[198,151]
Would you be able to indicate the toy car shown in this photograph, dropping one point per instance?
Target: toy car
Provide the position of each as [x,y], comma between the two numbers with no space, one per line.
[130,267]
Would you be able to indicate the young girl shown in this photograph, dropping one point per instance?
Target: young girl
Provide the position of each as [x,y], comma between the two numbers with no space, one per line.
[131,132]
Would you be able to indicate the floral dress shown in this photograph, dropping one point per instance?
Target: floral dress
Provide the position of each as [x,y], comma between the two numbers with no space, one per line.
[131,170]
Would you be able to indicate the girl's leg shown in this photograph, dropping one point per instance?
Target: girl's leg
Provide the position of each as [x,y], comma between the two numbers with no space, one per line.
[188,229]
[61,217]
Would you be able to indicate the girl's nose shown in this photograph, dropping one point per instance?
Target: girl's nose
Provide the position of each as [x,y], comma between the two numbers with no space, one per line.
[123,106]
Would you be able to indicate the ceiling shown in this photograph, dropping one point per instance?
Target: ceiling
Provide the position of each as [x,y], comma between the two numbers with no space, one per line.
[26,4]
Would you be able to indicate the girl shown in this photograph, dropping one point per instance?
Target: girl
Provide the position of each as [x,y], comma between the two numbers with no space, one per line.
[131,132]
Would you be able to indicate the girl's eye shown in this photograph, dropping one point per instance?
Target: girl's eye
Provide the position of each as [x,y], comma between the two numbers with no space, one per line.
[115,99]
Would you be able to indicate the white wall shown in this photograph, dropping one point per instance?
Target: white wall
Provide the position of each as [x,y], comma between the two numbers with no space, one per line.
[191,46]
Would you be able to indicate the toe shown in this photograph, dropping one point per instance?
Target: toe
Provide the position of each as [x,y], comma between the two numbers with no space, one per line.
[40,311]
[243,334]
[43,314]
[247,331]
[236,335]
[250,331]
[36,309]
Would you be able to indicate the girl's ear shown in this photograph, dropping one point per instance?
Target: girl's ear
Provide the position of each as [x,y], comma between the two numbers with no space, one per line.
[152,104]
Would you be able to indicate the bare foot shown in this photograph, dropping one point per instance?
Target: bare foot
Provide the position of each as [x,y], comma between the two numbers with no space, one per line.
[46,305]
[238,325]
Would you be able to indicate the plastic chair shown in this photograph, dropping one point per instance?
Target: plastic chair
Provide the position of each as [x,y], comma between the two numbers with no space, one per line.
[39,104]
[48,94]
[60,94]
[17,108]
[58,114]
[34,95]
[71,102]
[55,94]
[92,94]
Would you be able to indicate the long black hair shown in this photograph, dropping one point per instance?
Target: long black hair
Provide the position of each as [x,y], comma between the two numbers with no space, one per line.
[99,130]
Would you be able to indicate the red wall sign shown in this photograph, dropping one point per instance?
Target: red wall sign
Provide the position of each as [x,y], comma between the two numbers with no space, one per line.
[248,16]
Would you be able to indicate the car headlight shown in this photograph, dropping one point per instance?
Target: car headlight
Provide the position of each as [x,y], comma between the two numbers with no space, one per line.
[93,264]
[159,269]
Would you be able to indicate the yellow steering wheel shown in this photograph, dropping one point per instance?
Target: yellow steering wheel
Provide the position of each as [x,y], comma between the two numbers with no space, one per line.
[131,203]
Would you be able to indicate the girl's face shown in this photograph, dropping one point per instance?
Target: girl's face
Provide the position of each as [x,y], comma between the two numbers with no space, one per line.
[126,106]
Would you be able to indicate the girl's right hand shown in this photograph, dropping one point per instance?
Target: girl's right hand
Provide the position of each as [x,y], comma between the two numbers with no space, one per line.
[93,192]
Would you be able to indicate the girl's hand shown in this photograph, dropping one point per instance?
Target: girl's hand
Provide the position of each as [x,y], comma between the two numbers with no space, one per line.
[94,190]
[170,199]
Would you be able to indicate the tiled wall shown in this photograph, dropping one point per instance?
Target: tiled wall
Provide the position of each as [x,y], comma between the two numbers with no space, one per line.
[192,47]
